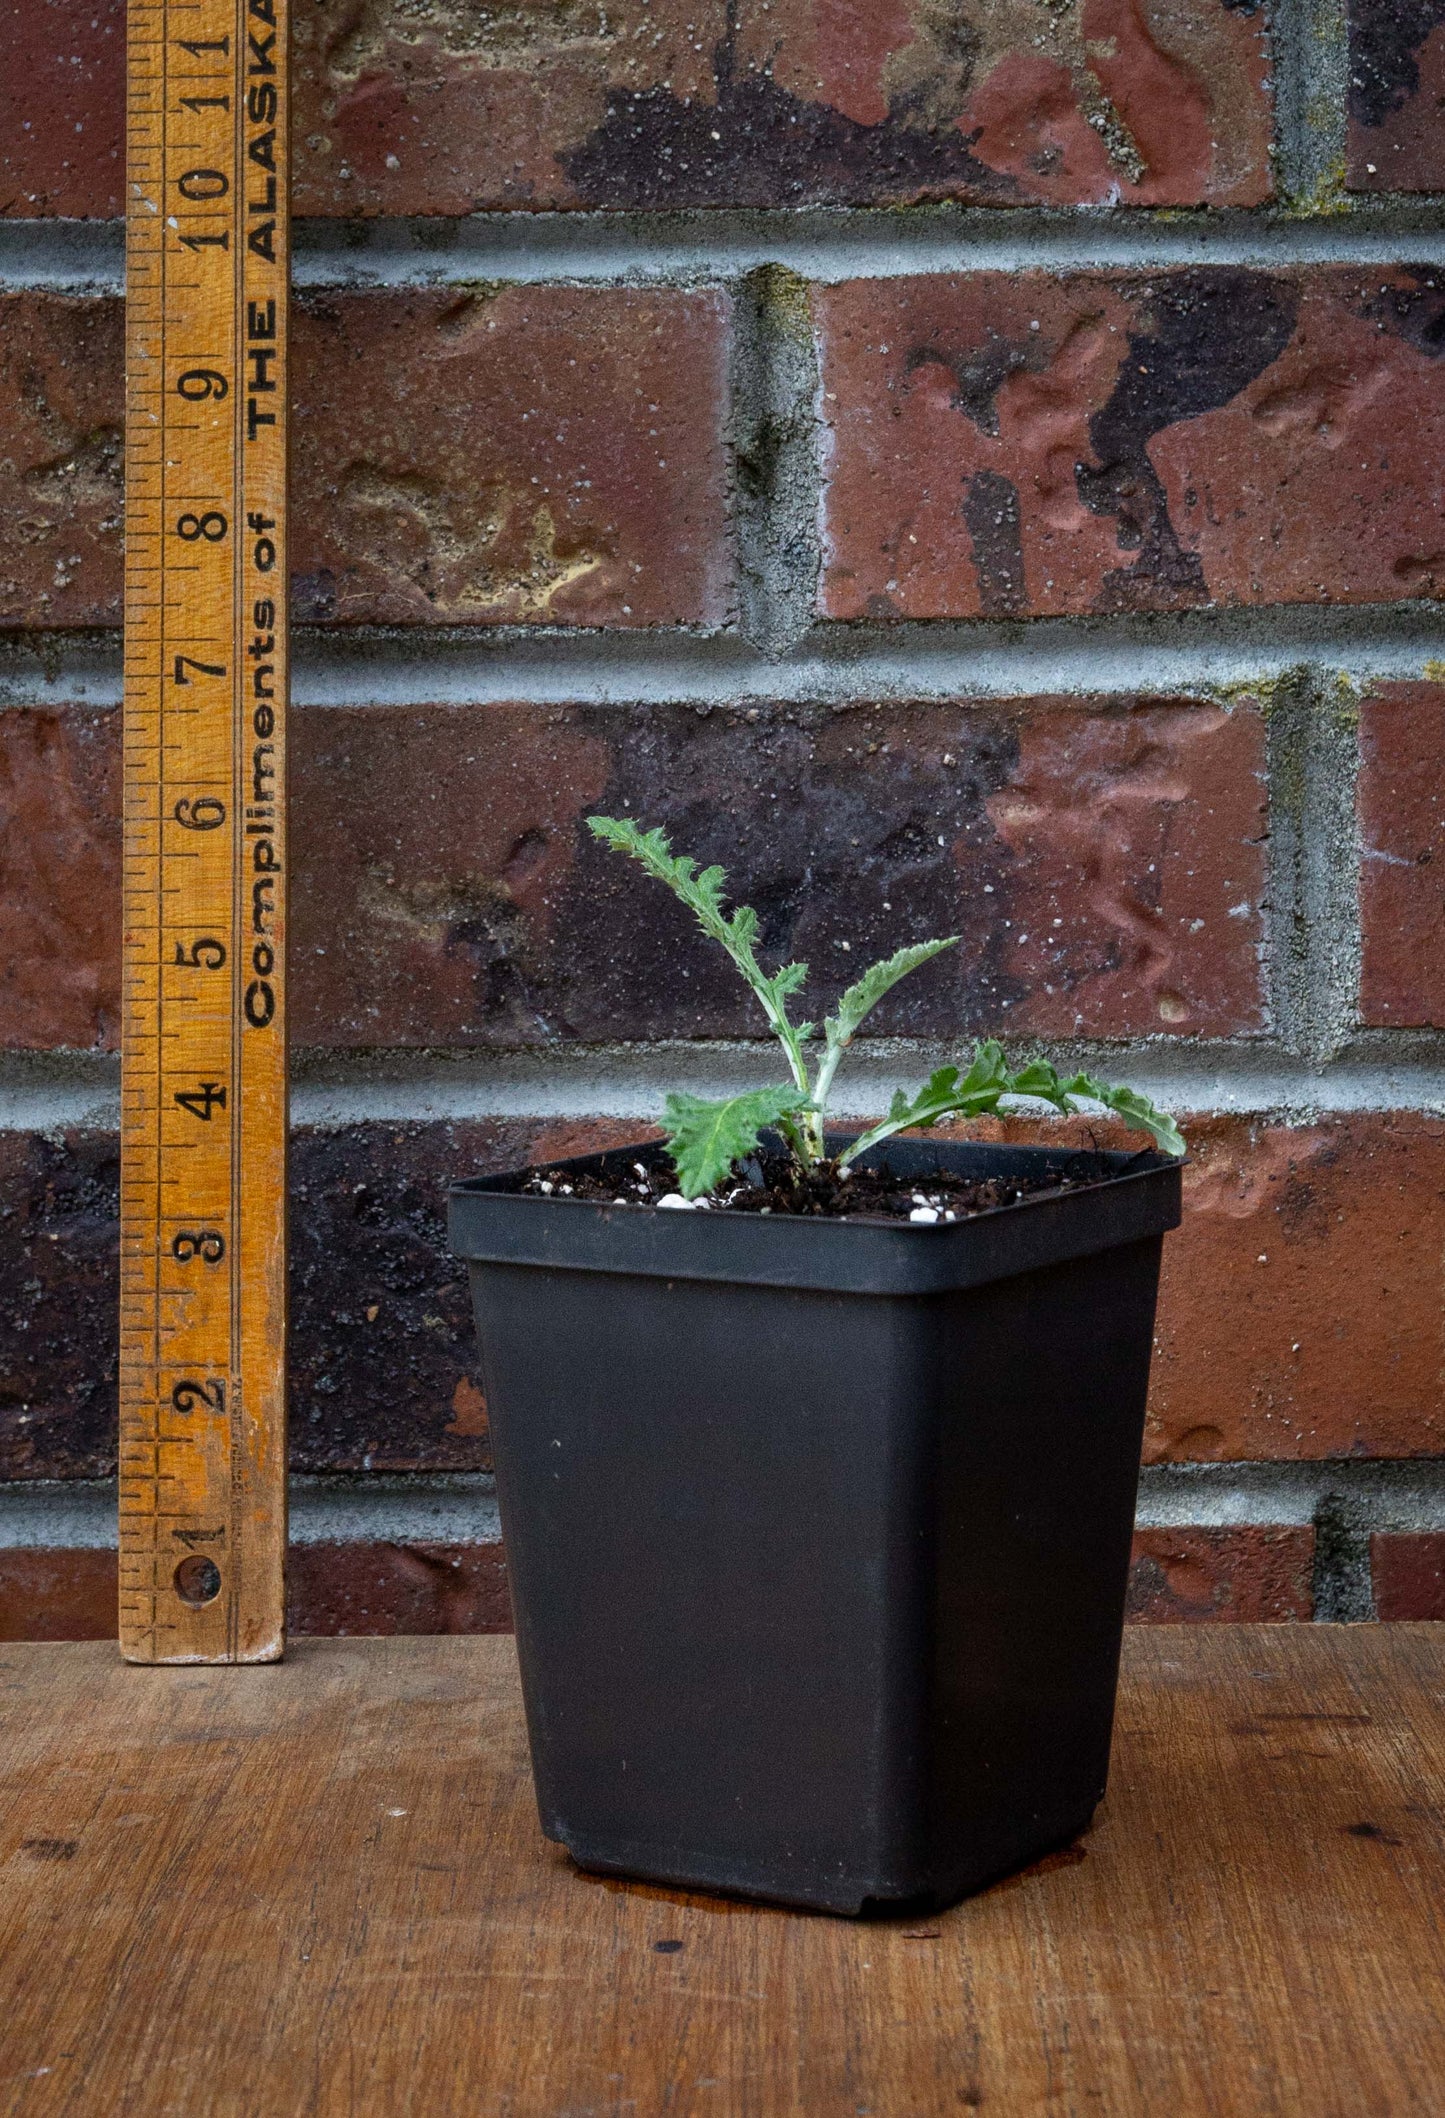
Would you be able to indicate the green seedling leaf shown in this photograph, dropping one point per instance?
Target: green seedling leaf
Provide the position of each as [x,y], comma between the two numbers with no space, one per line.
[878,979]
[945,1094]
[707,1138]
[989,1081]
[1040,1079]
[1135,1109]
[702,894]
[856,1003]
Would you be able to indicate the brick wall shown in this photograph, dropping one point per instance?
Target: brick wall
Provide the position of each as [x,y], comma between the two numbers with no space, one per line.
[960,465]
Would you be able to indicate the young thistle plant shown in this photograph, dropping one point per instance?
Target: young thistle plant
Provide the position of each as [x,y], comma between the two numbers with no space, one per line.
[706,1139]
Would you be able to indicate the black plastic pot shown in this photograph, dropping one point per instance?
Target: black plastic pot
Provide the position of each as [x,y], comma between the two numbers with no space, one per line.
[818,1531]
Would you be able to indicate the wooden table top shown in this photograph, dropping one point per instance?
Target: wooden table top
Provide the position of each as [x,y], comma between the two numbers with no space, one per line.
[321,1888]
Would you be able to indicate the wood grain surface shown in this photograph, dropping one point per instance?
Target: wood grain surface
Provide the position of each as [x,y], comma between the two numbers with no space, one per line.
[319,1887]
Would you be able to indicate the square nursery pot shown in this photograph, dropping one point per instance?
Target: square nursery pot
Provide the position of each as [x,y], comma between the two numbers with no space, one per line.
[818,1530]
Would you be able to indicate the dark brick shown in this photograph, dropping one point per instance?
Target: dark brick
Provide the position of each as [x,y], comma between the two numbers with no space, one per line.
[1407,1569]
[667,103]
[59,1286]
[383,1354]
[1402,844]
[383,1351]
[1026,444]
[1248,1574]
[366,1589]
[61,1593]
[1333,1346]
[1300,1310]
[62,108]
[383,1360]
[1397,95]
[59,877]
[530,455]
[1103,861]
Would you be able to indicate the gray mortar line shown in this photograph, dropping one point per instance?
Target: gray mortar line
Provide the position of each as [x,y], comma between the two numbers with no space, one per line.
[775,437]
[1313,912]
[62,257]
[428,1508]
[461,1507]
[1190,652]
[633,1084]
[830,245]
[52,1092]
[824,244]
[1397,1494]
[1310,49]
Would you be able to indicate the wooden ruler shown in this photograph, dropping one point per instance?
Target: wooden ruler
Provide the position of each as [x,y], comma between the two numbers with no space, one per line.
[203,1150]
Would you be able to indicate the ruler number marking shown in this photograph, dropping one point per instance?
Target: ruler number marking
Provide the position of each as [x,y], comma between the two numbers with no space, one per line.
[197,384]
[205,1098]
[212,526]
[189,1395]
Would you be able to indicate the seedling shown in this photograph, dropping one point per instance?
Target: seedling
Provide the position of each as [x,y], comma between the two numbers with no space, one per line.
[707,1138]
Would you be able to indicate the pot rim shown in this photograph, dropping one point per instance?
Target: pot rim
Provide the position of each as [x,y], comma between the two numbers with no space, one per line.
[1136,1195]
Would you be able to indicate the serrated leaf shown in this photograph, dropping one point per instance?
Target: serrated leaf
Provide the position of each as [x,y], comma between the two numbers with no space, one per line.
[945,1094]
[988,1070]
[878,979]
[706,1138]
[1038,1078]
[940,1089]
[702,894]
[1135,1109]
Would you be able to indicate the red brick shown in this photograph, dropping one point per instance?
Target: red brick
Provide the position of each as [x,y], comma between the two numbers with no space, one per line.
[61,426]
[63,1593]
[1248,1575]
[366,1589]
[407,110]
[542,455]
[59,877]
[1027,444]
[1300,1312]
[1402,848]
[1397,95]
[1408,1572]
[62,108]
[535,455]
[334,1589]
[1251,1575]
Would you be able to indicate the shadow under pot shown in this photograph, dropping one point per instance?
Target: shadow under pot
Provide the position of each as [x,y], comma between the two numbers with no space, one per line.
[818,1530]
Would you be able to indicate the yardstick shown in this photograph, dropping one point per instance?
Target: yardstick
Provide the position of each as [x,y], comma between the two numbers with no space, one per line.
[203,1124]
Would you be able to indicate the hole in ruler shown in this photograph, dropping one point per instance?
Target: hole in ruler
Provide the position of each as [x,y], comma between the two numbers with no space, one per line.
[198,1580]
